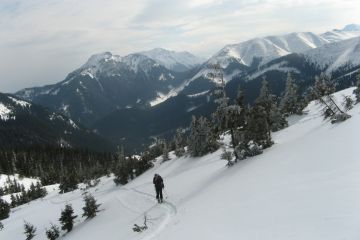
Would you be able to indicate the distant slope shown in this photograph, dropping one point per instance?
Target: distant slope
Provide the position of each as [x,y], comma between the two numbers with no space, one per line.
[24,124]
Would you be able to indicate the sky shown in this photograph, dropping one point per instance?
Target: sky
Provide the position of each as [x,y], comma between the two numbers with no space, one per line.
[41,41]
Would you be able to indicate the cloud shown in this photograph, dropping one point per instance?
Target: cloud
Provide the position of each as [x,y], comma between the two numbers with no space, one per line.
[42,41]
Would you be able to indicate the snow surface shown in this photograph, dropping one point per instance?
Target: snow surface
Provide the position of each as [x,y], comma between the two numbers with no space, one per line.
[306,186]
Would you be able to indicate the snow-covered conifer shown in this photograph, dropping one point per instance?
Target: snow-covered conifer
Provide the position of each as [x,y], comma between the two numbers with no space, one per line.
[91,207]
[29,231]
[67,218]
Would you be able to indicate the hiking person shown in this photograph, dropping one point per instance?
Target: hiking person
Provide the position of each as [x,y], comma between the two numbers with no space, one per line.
[159,185]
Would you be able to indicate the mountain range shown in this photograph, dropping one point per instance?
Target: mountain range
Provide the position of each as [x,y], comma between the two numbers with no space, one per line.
[148,94]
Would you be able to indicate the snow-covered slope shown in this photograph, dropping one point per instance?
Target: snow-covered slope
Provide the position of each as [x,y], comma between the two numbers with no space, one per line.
[335,55]
[267,48]
[304,187]
[176,61]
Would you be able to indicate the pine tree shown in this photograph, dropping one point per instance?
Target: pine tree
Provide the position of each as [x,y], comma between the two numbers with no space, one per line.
[91,208]
[4,209]
[219,117]
[179,143]
[202,140]
[120,168]
[291,103]
[29,231]
[258,129]
[53,233]
[275,120]
[165,156]
[357,90]
[67,218]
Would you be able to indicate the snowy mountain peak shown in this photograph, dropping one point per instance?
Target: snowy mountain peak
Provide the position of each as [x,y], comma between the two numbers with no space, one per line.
[351,28]
[96,59]
[176,61]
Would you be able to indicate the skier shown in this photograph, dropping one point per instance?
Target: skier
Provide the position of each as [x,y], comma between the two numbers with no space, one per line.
[159,185]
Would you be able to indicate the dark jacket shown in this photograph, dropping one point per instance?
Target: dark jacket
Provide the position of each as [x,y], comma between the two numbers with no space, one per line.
[158,182]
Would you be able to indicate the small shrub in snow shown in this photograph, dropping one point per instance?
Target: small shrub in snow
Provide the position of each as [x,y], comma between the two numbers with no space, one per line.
[227,155]
[53,233]
[90,208]
[241,151]
[67,218]
[1,226]
[29,231]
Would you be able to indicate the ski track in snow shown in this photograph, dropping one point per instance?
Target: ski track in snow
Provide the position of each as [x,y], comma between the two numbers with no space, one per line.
[170,212]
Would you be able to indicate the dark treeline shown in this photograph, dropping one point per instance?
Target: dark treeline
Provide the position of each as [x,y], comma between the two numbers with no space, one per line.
[71,166]
[52,164]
